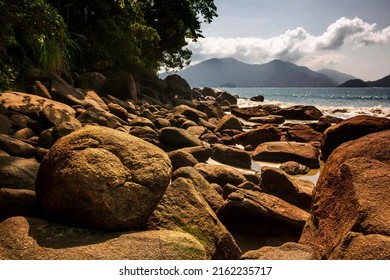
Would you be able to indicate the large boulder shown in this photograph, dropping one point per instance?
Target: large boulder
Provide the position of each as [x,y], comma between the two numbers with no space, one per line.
[303,133]
[282,151]
[18,173]
[31,105]
[121,86]
[178,86]
[182,208]
[92,80]
[37,239]
[351,197]
[102,178]
[231,156]
[351,129]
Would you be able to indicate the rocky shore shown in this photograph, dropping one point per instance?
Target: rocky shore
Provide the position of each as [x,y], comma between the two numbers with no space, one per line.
[129,166]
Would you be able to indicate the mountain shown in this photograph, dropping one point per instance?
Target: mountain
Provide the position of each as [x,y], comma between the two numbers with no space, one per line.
[384,82]
[337,76]
[229,71]
[354,83]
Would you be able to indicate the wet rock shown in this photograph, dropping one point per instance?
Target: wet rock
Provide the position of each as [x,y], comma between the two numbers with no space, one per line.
[102,178]
[258,98]
[38,239]
[294,168]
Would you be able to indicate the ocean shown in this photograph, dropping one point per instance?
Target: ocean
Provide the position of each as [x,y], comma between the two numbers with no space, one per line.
[339,102]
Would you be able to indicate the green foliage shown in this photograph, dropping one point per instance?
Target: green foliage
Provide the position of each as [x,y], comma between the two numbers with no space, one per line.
[32,35]
[97,34]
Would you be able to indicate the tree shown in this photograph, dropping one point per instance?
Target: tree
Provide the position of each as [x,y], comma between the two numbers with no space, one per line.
[32,35]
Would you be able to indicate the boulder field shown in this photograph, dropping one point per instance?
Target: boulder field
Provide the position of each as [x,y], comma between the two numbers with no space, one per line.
[135,167]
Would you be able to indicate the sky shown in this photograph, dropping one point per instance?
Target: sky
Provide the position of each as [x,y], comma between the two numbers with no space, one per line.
[350,36]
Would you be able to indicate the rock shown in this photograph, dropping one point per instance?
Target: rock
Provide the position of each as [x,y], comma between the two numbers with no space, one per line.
[182,208]
[197,130]
[55,116]
[64,129]
[220,174]
[258,98]
[178,86]
[249,112]
[118,111]
[190,113]
[300,112]
[259,209]
[351,129]
[282,151]
[188,123]
[358,246]
[38,239]
[270,119]
[259,135]
[212,197]
[277,182]
[201,153]
[102,178]
[206,91]
[5,125]
[127,105]
[24,134]
[16,147]
[18,173]
[39,89]
[31,105]
[121,86]
[45,139]
[92,80]
[141,121]
[228,122]
[351,196]
[330,119]
[181,159]
[145,133]
[100,117]
[303,133]
[231,156]
[63,92]
[18,203]
[211,108]
[178,138]
[287,251]
[225,96]
[294,168]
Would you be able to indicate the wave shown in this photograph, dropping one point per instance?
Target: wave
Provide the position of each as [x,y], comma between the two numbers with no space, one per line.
[343,112]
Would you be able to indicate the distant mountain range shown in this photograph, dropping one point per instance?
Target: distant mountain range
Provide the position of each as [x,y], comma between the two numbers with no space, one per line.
[229,72]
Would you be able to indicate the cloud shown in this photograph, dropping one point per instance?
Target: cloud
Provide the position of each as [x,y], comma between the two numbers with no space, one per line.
[297,45]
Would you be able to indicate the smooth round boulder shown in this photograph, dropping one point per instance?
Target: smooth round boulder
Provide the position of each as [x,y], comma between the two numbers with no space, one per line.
[102,178]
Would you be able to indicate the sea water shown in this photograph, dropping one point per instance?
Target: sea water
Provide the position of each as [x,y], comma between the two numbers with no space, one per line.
[340,102]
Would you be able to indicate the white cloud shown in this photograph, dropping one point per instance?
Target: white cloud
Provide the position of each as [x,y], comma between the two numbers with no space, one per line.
[298,45]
